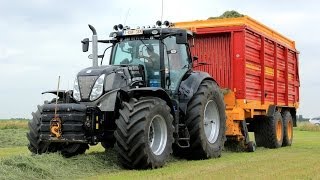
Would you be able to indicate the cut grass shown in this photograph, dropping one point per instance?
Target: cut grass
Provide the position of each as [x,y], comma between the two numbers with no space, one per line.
[13,137]
[14,124]
[306,126]
[301,161]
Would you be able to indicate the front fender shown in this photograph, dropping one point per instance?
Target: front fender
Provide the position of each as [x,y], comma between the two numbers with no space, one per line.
[152,91]
[108,101]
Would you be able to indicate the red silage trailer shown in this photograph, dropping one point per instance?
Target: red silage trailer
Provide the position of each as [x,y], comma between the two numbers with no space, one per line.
[257,68]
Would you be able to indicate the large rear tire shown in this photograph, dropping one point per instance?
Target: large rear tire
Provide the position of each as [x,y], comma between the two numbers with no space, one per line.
[36,146]
[206,121]
[287,129]
[144,133]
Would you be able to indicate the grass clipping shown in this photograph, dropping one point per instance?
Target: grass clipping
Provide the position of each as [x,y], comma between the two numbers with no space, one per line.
[55,166]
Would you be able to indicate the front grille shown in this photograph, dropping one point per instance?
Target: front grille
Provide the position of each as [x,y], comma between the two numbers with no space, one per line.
[85,84]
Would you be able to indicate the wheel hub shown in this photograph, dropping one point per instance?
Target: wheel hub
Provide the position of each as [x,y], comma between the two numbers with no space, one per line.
[211,121]
[157,134]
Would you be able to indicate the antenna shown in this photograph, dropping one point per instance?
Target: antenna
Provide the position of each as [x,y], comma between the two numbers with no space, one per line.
[124,24]
[161,10]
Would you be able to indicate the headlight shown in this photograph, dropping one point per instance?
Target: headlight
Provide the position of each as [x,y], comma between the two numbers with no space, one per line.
[97,89]
[76,90]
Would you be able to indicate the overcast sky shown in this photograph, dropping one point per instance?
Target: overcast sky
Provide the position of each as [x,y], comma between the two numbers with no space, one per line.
[40,40]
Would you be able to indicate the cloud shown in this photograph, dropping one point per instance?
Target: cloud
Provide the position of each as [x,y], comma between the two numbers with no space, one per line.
[40,39]
[6,53]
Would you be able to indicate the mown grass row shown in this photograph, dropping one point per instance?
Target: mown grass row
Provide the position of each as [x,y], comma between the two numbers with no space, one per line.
[299,161]
[306,126]
[14,124]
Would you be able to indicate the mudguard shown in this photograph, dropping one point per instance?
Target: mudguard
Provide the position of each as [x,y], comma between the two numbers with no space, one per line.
[151,91]
[189,87]
[108,101]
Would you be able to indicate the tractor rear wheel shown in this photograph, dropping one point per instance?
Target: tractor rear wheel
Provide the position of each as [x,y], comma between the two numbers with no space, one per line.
[144,133]
[206,121]
[287,129]
[36,146]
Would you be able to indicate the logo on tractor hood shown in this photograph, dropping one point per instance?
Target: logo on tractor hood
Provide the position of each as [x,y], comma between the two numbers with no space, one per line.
[89,71]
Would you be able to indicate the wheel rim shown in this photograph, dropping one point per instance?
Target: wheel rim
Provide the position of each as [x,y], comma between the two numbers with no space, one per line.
[289,129]
[279,129]
[157,135]
[211,121]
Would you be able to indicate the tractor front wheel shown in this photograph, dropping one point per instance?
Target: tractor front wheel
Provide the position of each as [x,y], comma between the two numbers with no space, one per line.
[36,146]
[144,133]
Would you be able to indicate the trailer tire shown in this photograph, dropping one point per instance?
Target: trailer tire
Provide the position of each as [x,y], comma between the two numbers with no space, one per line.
[269,131]
[36,146]
[259,131]
[144,133]
[206,122]
[73,149]
[287,129]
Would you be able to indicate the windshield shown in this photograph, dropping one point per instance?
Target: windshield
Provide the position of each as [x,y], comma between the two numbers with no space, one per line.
[134,51]
[144,52]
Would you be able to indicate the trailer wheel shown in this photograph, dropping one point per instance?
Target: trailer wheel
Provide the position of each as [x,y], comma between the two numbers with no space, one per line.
[251,146]
[287,129]
[144,133]
[73,149]
[206,121]
[259,131]
[36,146]
[269,131]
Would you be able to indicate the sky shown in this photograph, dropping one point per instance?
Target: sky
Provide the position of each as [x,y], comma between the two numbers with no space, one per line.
[40,40]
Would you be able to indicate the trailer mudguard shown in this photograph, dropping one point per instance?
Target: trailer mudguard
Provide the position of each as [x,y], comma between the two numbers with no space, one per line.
[189,87]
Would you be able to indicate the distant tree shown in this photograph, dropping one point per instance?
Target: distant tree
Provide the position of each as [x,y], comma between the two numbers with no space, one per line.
[228,14]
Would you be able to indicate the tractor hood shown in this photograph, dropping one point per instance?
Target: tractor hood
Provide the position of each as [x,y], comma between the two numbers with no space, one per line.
[97,71]
[112,79]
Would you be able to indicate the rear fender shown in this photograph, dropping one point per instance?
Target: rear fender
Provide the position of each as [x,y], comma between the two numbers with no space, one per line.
[189,87]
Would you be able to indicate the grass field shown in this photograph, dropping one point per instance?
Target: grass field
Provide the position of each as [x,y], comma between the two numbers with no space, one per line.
[300,161]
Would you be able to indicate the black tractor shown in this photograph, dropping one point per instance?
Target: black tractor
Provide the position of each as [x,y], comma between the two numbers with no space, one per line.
[147,103]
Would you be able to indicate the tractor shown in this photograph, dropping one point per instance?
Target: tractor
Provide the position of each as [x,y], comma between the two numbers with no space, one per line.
[147,103]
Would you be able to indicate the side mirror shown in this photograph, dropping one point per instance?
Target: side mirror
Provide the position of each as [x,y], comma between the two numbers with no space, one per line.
[85,44]
[181,38]
[195,58]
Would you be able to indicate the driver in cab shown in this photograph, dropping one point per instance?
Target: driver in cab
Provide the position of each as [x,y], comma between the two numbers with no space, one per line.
[153,59]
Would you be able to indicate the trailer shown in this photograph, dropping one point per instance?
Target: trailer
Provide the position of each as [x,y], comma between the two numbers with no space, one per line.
[257,69]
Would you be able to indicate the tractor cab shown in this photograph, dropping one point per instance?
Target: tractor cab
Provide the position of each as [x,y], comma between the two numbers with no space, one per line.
[163,53]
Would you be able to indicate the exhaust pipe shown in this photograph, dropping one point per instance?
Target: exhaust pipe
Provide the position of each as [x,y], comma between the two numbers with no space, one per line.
[94,46]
